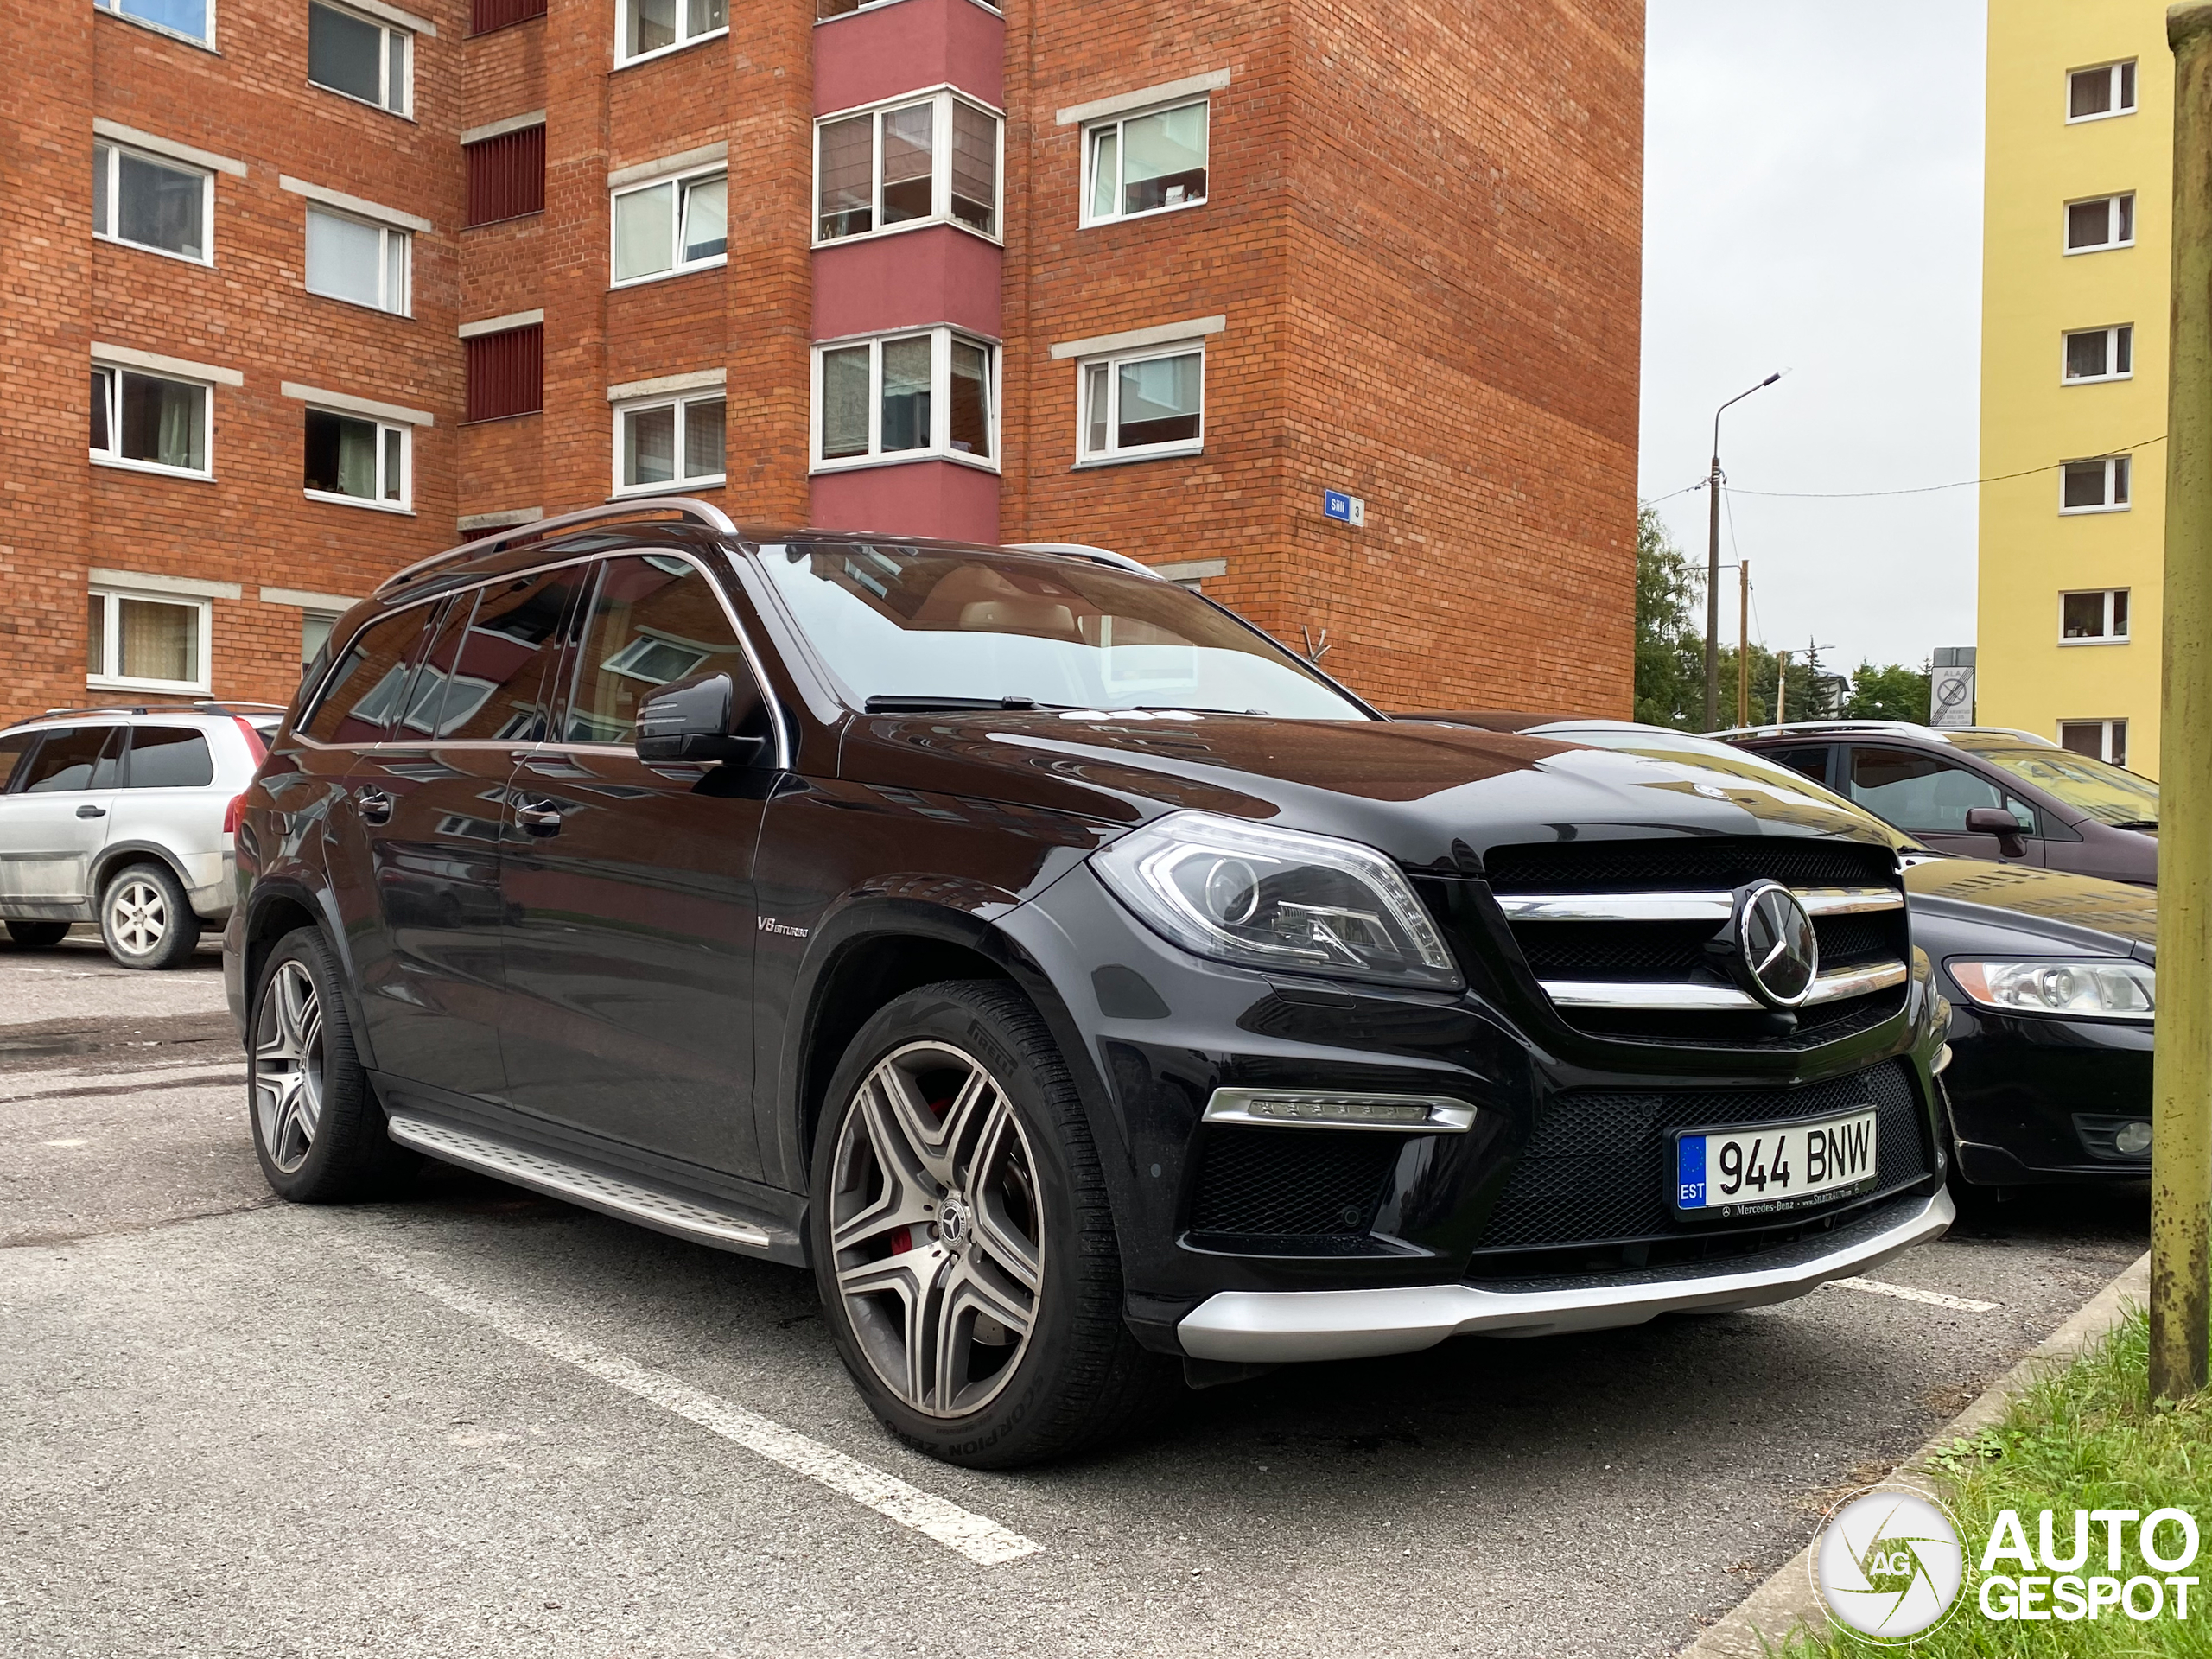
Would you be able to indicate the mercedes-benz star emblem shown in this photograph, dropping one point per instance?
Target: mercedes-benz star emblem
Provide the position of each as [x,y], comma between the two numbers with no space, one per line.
[1776,945]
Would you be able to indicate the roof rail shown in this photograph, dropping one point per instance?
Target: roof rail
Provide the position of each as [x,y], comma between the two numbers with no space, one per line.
[1770,730]
[110,708]
[239,706]
[1083,550]
[516,535]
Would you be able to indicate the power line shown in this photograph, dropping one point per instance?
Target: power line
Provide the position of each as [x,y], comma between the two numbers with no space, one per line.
[1924,489]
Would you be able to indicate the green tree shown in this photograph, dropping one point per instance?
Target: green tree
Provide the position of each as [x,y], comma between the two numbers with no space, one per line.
[1669,651]
[1892,693]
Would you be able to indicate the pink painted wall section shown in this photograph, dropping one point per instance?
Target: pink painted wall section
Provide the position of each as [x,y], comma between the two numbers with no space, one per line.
[934,275]
[867,55]
[923,497]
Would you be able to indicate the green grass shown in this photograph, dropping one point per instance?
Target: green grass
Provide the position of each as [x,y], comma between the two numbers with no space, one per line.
[2084,1437]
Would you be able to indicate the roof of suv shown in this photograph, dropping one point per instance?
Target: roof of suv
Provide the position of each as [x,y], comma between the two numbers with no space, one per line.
[1962,737]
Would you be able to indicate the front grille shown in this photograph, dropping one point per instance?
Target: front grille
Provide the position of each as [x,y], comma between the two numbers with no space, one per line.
[1597,1168]
[1292,1184]
[1720,861]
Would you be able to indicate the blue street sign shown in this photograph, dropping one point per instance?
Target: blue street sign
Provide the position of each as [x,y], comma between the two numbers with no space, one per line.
[1344,509]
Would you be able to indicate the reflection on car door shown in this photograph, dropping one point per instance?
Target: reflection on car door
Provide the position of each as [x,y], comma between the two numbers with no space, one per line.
[630,907]
[1928,797]
[54,820]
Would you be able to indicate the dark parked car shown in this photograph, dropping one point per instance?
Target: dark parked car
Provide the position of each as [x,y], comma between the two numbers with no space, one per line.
[1985,792]
[2050,977]
[1090,992]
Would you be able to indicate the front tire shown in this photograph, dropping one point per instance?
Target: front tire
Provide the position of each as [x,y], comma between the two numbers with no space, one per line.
[37,936]
[962,1241]
[317,1128]
[145,919]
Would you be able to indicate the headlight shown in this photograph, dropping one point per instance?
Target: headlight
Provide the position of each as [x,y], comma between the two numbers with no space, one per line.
[2095,987]
[1278,900]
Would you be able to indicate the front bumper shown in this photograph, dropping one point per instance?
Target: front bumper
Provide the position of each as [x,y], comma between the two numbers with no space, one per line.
[2016,1085]
[1272,1327]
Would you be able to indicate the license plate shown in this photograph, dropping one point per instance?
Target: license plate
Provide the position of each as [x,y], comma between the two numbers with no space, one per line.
[1768,1167]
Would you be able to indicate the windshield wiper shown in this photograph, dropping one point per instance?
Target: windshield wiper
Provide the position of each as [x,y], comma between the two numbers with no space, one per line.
[945,705]
[2137,824]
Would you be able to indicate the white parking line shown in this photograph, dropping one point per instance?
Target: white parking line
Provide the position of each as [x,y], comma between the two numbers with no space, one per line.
[979,1539]
[1907,1294]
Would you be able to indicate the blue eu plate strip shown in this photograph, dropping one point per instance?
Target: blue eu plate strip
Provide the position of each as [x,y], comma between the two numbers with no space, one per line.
[1689,1172]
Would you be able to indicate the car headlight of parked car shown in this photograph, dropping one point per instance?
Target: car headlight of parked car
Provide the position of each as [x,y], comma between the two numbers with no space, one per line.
[1276,899]
[2097,988]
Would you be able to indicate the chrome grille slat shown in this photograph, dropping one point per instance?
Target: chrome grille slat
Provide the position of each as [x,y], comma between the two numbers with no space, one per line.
[1697,996]
[1715,907]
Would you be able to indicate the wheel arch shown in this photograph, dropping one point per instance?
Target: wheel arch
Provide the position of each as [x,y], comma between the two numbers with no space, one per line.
[277,908]
[120,855]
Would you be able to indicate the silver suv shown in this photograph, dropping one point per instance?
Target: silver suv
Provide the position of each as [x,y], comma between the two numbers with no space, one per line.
[125,816]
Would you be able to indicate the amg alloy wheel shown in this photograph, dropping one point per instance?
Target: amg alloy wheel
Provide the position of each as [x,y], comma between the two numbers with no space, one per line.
[288,1063]
[934,1219]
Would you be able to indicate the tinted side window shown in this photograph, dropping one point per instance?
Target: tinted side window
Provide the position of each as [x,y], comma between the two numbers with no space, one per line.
[499,668]
[168,756]
[1811,759]
[12,751]
[76,757]
[366,689]
[1918,792]
[653,620]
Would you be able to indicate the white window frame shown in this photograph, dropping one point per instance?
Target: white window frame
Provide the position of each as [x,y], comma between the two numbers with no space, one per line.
[2119,496]
[1114,454]
[1087,218]
[2105,737]
[680,402]
[388,432]
[111,637]
[115,10]
[113,168]
[113,457]
[939,447]
[405,108]
[385,231]
[682,182]
[682,42]
[878,5]
[942,98]
[2108,637]
[2111,215]
[2112,355]
[2131,83]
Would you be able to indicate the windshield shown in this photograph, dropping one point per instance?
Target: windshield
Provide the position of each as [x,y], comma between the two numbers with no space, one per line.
[921,628]
[2091,786]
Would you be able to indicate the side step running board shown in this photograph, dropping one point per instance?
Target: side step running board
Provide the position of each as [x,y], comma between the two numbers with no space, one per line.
[695,1218]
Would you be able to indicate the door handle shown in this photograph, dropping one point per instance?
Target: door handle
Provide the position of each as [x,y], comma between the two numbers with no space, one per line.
[375,804]
[88,810]
[538,817]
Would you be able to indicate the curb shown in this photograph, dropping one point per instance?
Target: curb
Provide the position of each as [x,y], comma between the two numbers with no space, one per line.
[1787,1604]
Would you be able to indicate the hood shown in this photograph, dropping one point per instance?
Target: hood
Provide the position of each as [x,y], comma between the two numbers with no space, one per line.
[2080,912]
[1433,796]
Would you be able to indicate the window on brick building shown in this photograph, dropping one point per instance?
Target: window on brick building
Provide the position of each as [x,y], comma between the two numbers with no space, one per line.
[2104,222]
[354,459]
[650,26]
[670,225]
[485,16]
[2101,740]
[2108,89]
[193,18]
[505,373]
[360,57]
[929,395]
[1146,164]
[668,441]
[151,421]
[146,642]
[2101,354]
[2099,486]
[1143,403]
[2096,617]
[354,259]
[153,203]
[928,161]
[315,636]
[506,175]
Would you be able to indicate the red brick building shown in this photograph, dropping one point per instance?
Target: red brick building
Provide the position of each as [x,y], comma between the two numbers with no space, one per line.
[330,283]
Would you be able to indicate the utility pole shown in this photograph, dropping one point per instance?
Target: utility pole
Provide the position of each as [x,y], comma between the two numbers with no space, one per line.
[2181,1149]
[1781,685]
[1744,642]
[1712,565]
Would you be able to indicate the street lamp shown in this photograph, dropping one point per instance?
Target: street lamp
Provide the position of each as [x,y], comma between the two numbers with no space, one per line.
[1712,568]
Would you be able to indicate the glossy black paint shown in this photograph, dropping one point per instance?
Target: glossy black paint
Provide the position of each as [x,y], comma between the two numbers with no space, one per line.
[658,966]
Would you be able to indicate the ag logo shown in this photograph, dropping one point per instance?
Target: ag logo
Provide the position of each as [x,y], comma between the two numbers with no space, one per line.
[1887,1563]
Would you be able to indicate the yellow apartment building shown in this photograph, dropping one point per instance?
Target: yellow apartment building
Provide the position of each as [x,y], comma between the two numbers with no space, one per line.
[2075,258]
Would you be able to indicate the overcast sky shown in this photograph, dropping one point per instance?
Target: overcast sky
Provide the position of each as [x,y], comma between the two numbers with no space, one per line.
[1812,202]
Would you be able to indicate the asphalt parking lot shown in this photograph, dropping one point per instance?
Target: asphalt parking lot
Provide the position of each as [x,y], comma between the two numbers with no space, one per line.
[479,1421]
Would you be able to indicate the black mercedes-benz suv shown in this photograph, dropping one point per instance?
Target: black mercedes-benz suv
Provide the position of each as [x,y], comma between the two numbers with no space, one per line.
[1085,989]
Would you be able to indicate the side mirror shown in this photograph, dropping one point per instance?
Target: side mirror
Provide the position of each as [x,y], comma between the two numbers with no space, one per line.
[690,721]
[1996,820]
